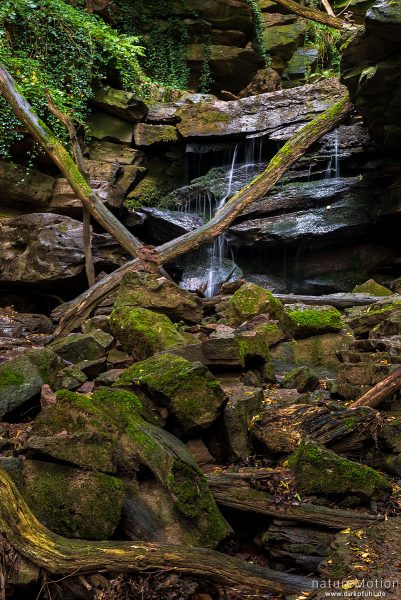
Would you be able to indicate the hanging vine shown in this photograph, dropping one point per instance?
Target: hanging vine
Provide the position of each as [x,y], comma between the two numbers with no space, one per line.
[259,32]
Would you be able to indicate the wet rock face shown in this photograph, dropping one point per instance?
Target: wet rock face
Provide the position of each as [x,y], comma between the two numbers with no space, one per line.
[163,225]
[266,112]
[46,247]
[371,69]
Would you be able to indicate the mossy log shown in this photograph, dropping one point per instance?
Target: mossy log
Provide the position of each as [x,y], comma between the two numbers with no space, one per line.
[286,157]
[314,14]
[233,490]
[62,159]
[340,300]
[383,390]
[61,556]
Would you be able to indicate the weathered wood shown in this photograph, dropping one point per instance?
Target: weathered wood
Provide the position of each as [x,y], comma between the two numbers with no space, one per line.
[338,300]
[381,391]
[287,156]
[327,7]
[233,491]
[314,14]
[62,556]
[50,144]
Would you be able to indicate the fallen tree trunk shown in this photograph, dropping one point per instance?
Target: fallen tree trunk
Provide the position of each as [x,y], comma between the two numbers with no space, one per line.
[381,391]
[287,156]
[337,300]
[314,14]
[233,491]
[62,556]
[80,163]
[50,144]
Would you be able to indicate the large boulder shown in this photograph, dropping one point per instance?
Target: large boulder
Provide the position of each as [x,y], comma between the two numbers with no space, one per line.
[46,247]
[283,39]
[21,378]
[142,332]
[104,431]
[345,218]
[191,394]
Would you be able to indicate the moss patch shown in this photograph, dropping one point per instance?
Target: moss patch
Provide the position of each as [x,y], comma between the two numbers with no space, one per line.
[314,320]
[71,502]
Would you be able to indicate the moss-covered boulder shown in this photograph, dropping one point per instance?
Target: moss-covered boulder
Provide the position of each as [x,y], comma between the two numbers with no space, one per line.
[21,378]
[151,291]
[192,395]
[373,288]
[105,431]
[251,300]
[72,502]
[318,352]
[362,319]
[303,379]
[142,332]
[313,320]
[83,346]
[322,471]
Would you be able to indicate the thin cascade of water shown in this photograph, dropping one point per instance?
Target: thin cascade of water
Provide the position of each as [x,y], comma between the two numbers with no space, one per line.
[246,157]
[217,251]
[333,167]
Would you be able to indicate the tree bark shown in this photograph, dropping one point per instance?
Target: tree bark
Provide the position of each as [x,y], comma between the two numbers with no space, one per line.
[233,491]
[381,391]
[62,556]
[50,144]
[314,14]
[287,156]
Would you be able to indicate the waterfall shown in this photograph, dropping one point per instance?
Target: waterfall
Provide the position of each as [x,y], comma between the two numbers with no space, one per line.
[243,163]
[333,167]
[217,251]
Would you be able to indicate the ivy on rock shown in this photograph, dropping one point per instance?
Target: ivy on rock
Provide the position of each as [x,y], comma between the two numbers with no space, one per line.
[53,46]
